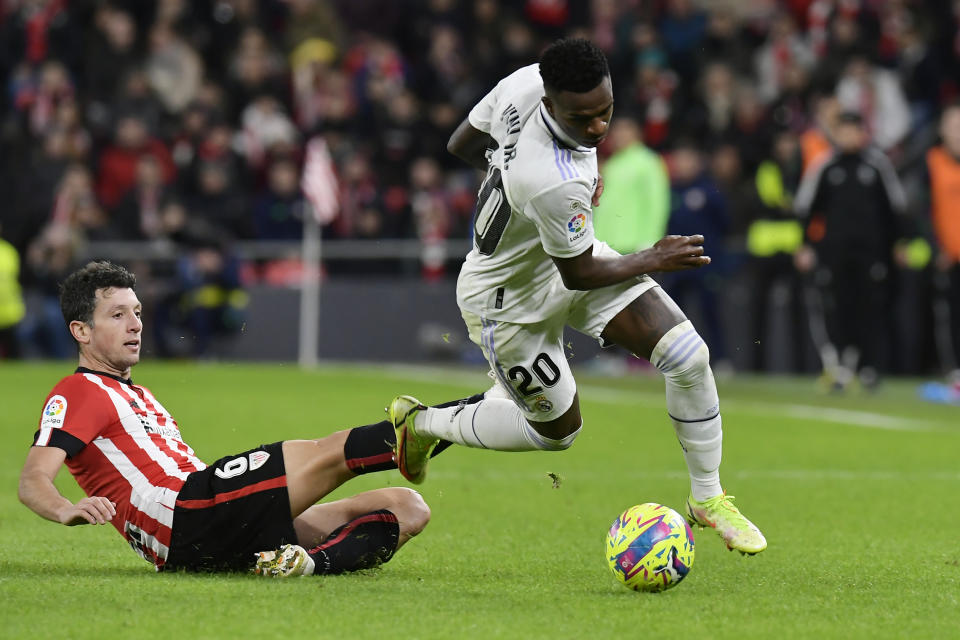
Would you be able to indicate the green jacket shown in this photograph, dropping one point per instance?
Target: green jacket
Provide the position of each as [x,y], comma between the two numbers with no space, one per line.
[635,204]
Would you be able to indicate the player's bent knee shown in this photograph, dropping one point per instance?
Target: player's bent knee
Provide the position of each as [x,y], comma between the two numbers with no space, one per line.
[682,355]
[411,510]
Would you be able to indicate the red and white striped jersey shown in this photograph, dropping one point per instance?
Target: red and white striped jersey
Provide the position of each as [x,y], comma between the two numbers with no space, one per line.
[123,445]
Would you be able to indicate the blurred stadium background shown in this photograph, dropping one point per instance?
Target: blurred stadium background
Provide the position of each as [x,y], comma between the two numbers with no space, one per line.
[192,141]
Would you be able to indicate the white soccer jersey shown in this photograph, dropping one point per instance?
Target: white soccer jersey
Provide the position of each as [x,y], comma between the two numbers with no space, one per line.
[533,204]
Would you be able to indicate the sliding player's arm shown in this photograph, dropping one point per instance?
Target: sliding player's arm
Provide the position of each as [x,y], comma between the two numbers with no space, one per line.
[41,496]
[672,253]
[470,145]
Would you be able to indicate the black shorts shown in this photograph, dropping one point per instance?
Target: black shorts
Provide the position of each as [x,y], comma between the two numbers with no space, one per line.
[231,510]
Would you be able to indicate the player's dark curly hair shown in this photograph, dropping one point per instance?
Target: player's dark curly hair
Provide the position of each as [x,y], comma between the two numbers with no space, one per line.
[573,64]
[78,293]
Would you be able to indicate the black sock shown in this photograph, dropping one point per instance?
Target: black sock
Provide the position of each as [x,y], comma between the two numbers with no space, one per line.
[444,444]
[362,543]
[370,448]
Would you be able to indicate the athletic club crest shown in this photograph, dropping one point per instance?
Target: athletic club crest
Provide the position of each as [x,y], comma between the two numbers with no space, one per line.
[258,459]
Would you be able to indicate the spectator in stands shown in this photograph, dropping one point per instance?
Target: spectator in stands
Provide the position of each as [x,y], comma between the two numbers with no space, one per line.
[173,68]
[725,42]
[399,123]
[713,112]
[267,130]
[118,162]
[773,236]
[110,54]
[876,94]
[683,27]
[49,259]
[816,140]
[38,179]
[321,94]
[193,125]
[39,94]
[74,192]
[313,19]
[697,207]
[279,210]
[32,32]
[751,128]
[635,204]
[431,214]
[137,216]
[255,70]
[726,168]
[943,167]
[654,95]
[137,99]
[206,301]
[69,121]
[853,210]
[785,48]
[220,202]
[215,144]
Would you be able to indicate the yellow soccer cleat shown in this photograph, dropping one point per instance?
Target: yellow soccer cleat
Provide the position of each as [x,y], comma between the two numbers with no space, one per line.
[412,451]
[719,513]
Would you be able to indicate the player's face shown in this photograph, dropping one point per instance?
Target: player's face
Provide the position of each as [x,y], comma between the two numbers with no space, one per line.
[112,340]
[585,117]
[851,137]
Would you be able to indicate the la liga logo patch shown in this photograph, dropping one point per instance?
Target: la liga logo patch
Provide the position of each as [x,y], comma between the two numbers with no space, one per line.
[56,406]
[577,223]
[54,412]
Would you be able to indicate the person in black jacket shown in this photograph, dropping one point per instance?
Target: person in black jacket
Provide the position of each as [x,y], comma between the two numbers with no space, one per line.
[852,206]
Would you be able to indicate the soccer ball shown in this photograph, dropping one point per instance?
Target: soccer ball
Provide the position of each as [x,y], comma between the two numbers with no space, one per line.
[649,547]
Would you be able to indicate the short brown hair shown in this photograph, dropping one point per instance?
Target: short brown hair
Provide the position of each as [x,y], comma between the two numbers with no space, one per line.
[78,293]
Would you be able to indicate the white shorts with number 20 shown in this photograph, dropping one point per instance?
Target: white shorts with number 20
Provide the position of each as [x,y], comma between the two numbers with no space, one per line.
[528,361]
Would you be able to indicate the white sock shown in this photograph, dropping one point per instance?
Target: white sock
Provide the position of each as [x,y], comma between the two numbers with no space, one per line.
[492,423]
[693,405]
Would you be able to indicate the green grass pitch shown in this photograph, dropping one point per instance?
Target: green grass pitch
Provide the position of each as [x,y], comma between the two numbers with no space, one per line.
[859,498]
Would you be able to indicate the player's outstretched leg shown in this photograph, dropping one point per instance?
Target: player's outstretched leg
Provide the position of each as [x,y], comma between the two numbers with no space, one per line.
[484,421]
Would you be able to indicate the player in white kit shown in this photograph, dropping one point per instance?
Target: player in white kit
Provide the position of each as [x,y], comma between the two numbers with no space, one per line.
[536,267]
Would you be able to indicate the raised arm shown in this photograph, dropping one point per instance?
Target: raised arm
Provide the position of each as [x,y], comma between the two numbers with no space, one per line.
[470,145]
[672,253]
[38,492]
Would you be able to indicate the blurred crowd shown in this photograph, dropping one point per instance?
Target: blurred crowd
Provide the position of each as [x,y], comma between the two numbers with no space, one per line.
[185,123]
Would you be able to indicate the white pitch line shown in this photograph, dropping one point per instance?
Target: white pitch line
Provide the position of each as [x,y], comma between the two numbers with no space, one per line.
[849,417]
[742,474]
[593,393]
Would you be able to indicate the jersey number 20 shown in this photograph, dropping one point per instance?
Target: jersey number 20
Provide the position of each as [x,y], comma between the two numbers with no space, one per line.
[493,213]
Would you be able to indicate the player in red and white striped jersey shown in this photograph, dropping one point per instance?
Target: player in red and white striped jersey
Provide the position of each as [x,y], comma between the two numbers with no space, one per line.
[126,452]
[121,442]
